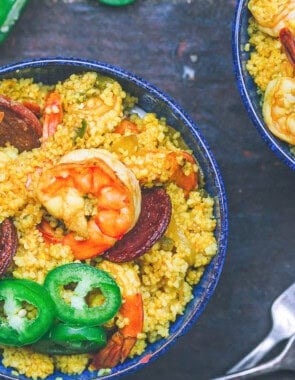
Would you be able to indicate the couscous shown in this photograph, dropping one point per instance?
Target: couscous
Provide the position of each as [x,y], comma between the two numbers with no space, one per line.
[70,200]
[271,63]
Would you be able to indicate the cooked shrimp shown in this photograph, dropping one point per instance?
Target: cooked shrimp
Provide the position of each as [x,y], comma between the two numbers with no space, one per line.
[273,15]
[288,43]
[153,166]
[95,195]
[126,126]
[52,114]
[185,178]
[278,108]
[122,341]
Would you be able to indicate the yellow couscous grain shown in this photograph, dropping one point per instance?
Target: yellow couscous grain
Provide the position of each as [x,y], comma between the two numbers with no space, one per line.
[267,59]
[166,274]
[28,363]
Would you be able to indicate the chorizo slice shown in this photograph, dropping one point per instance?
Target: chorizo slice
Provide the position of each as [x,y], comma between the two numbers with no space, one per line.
[8,244]
[18,125]
[153,221]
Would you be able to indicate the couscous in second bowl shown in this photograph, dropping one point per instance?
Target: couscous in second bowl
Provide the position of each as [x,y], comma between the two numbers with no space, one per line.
[248,89]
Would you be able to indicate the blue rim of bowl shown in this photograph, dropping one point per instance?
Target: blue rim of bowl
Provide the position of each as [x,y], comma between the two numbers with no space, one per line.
[280,149]
[209,280]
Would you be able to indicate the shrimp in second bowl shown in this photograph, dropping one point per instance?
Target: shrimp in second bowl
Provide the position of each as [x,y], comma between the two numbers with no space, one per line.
[273,15]
[95,195]
[279,108]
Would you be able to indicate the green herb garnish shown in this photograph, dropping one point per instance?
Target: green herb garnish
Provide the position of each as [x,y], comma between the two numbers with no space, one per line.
[80,132]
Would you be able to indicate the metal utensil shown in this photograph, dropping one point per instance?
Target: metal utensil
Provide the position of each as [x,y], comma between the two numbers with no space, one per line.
[284,361]
[283,327]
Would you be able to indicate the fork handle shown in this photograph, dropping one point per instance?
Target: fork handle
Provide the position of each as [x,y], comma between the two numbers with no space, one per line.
[264,368]
[257,354]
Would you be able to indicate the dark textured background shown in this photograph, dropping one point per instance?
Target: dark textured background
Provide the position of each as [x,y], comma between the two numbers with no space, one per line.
[184,48]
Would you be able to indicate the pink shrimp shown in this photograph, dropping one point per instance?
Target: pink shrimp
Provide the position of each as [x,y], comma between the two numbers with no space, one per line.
[53,114]
[95,195]
[122,341]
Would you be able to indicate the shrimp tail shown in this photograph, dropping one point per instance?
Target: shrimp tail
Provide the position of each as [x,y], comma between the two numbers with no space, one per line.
[288,42]
[47,233]
[53,114]
[116,351]
[122,341]
[126,126]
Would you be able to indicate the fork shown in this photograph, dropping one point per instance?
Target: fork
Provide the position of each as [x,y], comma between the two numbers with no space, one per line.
[283,327]
[284,361]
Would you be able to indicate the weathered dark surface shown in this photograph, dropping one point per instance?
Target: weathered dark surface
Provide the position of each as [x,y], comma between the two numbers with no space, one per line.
[157,39]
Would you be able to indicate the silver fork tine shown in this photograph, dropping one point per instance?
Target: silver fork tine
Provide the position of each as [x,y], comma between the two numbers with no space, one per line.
[283,316]
[257,353]
[283,361]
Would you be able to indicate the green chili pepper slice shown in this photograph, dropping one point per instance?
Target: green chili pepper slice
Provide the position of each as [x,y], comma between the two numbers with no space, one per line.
[117,3]
[70,286]
[26,314]
[9,13]
[65,339]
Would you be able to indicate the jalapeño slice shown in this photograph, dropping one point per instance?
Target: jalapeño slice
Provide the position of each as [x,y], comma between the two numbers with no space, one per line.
[27,312]
[70,284]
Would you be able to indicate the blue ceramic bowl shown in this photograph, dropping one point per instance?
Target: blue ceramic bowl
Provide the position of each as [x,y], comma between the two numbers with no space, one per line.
[247,87]
[150,99]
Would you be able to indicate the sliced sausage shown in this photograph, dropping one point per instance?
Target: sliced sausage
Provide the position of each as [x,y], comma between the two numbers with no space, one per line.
[152,223]
[18,125]
[8,244]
